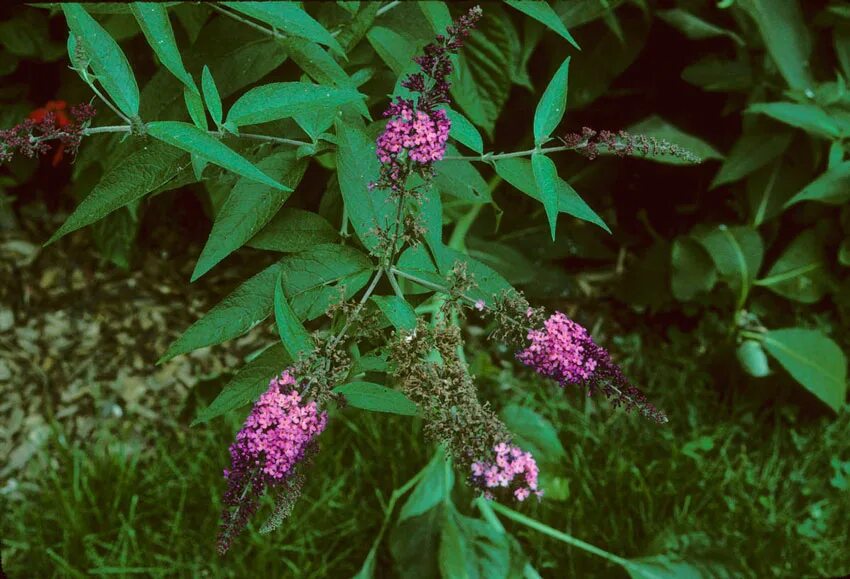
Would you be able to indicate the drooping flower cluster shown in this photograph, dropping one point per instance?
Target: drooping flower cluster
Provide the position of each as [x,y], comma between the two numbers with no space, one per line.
[277,436]
[623,144]
[32,136]
[416,133]
[471,432]
[564,351]
[511,469]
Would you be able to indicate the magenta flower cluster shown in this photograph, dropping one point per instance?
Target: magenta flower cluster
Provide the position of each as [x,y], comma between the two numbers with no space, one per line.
[564,351]
[277,435]
[512,469]
[278,431]
[423,136]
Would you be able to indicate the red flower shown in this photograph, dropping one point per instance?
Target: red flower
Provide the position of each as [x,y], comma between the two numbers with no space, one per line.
[59,117]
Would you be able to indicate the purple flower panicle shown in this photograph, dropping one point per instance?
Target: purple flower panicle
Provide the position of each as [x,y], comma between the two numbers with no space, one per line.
[417,132]
[511,470]
[423,136]
[564,351]
[278,434]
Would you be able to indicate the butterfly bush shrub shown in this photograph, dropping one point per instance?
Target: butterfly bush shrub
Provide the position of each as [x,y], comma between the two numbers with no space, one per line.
[369,308]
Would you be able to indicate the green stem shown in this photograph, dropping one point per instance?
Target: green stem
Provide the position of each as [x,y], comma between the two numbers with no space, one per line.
[426,283]
[269,138]
[394,284]
[386,8]
[354,315]
[556,534]
[759,337]
[388,511]
[109,104]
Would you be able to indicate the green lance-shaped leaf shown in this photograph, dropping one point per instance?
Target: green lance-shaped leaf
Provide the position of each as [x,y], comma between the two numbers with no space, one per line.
[399,313]
[357,166]
[320,276]
[546,178]
[376,398]
[293,336]
[737,252]
[192,139]
[211,95]
[786,38]
[813,360]
[248,305]
[283,100]
[461,179]
[106,59]
[293,230]
[832,187]
[534,433]
[291,18]
[463,131]
[248,384]
[552,105]
[393,48]
[155,25]
[141,172]
[520,174]
[811,118]
[545,14]
[695,27]
[248,208]
[753,150]
[195,107]
[434,488]
[800,272]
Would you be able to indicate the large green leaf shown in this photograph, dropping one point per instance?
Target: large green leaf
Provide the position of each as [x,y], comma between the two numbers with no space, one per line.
[546,178]
[283,100]
[393,48]
[809,117]
[543,13]
[192,139]
[248,305]
[154,22]
[461,179]
[114,236]
[464,132]
[534,433]
[291,18]
[431,490]
[813,360]
[756,148]
[474,549]
[143,171]
[322,275]
[655,126]
[293,336]
[399,313]
[550,110]
[294,230]
[248,384]
[800,272]
[832,187]
[376,398]
[481,89]
[737,252]
[786,37]
[248,208]
[695,27]
[357,166]
[520,174]
[692,269]
[211,95]
[107,59]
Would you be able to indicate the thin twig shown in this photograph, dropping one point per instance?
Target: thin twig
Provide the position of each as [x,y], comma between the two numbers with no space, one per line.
[354,315]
